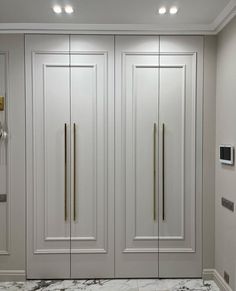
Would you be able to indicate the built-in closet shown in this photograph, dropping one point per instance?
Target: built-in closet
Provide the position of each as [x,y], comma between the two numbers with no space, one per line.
[114,156]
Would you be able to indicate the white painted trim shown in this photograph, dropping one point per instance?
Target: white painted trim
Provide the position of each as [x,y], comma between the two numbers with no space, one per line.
[225,16]
[66,28]
[12,275]
[212,274]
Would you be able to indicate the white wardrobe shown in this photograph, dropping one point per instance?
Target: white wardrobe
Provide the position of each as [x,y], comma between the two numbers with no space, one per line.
[114,156]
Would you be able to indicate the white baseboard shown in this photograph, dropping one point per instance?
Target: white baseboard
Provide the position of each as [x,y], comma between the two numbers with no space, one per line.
[212,274]
[12,275]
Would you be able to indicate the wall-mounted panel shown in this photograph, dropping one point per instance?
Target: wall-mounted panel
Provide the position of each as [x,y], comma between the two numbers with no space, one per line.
[12,158]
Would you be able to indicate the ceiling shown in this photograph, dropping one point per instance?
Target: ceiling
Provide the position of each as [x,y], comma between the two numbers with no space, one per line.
[193,15]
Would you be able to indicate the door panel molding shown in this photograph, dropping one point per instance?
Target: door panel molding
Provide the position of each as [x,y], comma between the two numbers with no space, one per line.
[37,149]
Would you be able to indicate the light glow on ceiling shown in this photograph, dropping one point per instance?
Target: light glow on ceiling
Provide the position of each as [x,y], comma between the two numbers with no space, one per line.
[173,10]
[69,9]
[162,10]
[57,9]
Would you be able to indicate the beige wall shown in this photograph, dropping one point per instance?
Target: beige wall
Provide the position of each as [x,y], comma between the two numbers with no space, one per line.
[209,151]
[225,221]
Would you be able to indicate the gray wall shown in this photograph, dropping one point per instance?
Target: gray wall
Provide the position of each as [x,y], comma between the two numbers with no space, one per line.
[225,221]
[209,109]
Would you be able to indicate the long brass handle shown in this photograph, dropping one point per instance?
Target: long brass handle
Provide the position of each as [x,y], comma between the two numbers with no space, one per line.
[163,172]
[65,171]
[154,171]
[74,172]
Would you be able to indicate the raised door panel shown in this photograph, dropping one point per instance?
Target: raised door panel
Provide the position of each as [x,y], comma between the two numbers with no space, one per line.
[51,113]
[180,156]
[48,92]
[141,107]
[172,151]
[137,93]
[92,103]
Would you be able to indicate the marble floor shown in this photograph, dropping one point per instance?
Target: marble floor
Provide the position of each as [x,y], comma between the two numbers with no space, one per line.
[112,285]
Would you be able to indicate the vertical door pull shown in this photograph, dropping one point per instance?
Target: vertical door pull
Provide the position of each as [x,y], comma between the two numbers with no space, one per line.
[74,173]
[163,172]
[65,171]
[154,171]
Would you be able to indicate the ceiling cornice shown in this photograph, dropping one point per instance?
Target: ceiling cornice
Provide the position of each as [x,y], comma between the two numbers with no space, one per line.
[226,15]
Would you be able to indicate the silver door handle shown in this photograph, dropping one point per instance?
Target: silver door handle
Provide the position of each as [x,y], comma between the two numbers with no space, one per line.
[3,133]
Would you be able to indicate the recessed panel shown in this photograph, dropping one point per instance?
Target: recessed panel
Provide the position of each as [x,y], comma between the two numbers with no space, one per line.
[143,109]
[172,151]
[51,146]
[89,115]
[56,105]
[84,100]
[141,117]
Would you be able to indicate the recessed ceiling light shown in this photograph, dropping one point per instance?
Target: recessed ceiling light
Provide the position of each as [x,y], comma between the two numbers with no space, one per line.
[173,10]
[57,9]
[69,9]
[162,10]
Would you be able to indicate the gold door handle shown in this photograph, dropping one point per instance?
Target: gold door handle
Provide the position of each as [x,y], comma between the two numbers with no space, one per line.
[163,172]
[65,171]
[154,171]
[74,172]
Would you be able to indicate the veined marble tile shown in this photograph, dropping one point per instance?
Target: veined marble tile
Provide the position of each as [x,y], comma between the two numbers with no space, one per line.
[195,285]
[118,284]
[111,285]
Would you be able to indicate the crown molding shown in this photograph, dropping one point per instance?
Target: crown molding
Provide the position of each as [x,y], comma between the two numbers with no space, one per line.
[101,28]
[226,15]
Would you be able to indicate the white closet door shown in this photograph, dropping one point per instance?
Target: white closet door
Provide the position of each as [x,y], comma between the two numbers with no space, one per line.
[92,119]
[136,220]
[48,154]
[180,156]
